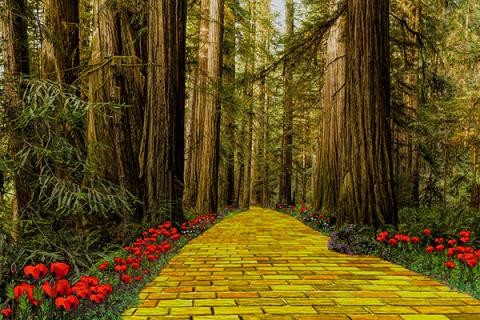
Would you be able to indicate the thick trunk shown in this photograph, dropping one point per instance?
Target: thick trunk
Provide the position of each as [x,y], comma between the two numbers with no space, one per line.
[162,148]
[285,191]
[333,101]
[60,50]
[114,136]
[207,194]
[17,63]
[228,103]
[197,112]
[366,192]
[407,147]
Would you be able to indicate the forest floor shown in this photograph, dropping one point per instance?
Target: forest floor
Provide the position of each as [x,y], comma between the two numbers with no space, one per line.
[261,263]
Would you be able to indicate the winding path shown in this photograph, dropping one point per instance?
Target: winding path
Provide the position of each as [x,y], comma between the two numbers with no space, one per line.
[263,264]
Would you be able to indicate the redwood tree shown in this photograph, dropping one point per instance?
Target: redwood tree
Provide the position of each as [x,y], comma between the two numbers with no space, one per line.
[17,64]
[366,192]
[60,49]
[285,191]
[162,148]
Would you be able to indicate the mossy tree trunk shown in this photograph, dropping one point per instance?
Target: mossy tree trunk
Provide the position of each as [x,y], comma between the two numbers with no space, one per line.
[162,147]
[366,192]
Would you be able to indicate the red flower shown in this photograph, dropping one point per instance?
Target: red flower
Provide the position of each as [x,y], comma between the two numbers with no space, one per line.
[92,281]
[393,242]
[415,240]
[430,249]
[138,278]
[81,289]
[67,304]
[104,266]
[97,298]
[6,312]
[472,263]
[427,232]
[62,287]
[176,236]
[450,264]
[126,278]
[35,272]
[439,240]
[440,247]
[23,289]
[464,239]
[135,266]
[59,269]
[465,233]
[452,242]
[121,268]
[451,252]
[48,290]
[106,289]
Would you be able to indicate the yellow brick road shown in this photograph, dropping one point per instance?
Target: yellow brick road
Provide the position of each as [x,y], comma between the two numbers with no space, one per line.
[263,264]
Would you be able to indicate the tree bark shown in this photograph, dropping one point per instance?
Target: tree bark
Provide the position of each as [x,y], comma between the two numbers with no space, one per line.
[228,103]
[366,192]
[17,64]
[333,102]
[60,57]
[207,194]
[285,191]
[197,115]
[162,148]
[114,135]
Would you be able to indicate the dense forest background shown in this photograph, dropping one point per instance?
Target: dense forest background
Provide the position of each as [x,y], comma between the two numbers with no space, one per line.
[118,113]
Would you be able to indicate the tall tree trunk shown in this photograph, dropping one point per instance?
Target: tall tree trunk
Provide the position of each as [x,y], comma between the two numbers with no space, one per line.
[162,148]
[285,191]
[197,112]
[333,102]
[17,64]
[228,103]
[60,50]
[366,193]
[207,194]
[408,153]
[114,136]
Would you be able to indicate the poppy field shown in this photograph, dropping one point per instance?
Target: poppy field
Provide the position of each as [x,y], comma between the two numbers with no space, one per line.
[54,291]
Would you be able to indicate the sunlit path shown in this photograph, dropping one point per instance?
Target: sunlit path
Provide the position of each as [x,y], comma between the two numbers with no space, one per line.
[261,263]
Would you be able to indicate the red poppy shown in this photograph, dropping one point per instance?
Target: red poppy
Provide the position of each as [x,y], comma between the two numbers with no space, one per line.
[176,236]
[67,304]
[427,232]
[439,240]
[23,289]
[415,240]
[450,264]
[126,278]
[59,269]
[97,298]
[6,312]
[36,272]
[464,239]
[138,278]
[450,252]
[121,268]
[135,266]
[430,249]
[90,280]
[104,266]
[452,242]
[48,290]
[465,233]
[393,242]
[472,263]
[440,247]
[62,287]
[105,289]
[81,289]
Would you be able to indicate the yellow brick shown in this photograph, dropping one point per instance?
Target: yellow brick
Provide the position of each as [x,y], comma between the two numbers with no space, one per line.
[214,302]
[190,311]
[288,309]
[358,302]
[238,310]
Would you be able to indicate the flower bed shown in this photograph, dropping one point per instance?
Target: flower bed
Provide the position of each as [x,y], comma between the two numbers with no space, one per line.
[54,292]
[448,256]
